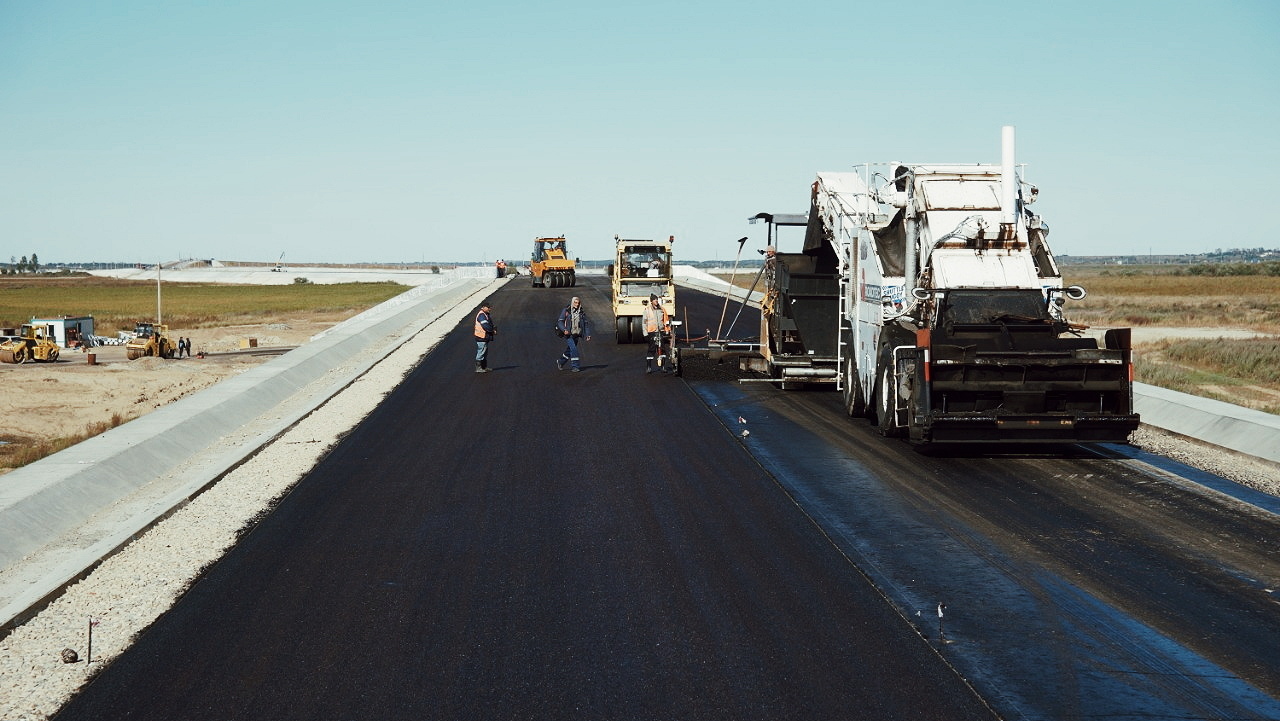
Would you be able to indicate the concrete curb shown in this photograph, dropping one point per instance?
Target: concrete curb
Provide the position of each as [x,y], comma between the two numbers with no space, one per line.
[692,277]
[1243,430]
[264,275]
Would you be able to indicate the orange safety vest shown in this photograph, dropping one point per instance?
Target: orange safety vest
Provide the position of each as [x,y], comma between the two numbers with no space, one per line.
[480,332]
[651,319]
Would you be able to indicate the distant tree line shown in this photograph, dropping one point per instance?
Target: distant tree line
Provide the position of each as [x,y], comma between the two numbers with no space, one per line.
[1270,267]
[21,265]
[1238,256]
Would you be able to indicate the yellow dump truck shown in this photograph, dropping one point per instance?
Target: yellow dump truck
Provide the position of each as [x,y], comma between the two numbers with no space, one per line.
[551,266]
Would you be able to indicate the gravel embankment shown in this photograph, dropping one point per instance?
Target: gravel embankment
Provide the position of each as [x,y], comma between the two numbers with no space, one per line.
[132,588]
[1245,470]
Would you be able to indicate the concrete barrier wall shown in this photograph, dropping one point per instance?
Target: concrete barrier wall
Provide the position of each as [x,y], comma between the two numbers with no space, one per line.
[1222,424]
[264,275]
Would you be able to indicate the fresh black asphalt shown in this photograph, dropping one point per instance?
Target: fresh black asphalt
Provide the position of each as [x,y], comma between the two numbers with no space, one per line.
[534,544]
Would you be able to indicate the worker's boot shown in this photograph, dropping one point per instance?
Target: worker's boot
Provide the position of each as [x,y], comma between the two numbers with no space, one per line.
[479,367]
[648,365]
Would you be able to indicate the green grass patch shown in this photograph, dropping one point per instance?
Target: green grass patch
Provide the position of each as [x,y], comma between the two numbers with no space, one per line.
[1248,361]
[1183,380]
[1249,367]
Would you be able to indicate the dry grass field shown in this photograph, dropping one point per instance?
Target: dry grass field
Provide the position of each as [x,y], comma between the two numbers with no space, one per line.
[51,406]
[1151,296]
[1240,370]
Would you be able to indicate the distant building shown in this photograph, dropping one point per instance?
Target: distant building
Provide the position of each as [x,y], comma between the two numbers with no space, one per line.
[67,331]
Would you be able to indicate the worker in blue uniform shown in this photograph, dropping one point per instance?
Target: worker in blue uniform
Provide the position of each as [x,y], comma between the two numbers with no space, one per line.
[572,326]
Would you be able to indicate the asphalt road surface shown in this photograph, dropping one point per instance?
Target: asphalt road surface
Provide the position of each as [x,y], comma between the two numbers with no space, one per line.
[1080,582]
[536,544]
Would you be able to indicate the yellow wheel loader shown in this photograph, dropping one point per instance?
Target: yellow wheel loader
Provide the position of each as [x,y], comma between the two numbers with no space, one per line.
[150,339]
[33,343]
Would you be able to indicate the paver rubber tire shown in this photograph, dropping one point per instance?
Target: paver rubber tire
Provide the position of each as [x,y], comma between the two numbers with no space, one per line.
[855,404]
[885,403]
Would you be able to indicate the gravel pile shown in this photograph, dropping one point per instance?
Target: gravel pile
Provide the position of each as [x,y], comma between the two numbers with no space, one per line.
[129,590]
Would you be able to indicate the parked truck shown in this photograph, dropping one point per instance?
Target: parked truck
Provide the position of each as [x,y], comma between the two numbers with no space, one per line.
[640,268]
[928,295]
[551,266]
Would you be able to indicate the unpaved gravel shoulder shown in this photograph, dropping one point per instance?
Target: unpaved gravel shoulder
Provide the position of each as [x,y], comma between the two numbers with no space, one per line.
[1250,471]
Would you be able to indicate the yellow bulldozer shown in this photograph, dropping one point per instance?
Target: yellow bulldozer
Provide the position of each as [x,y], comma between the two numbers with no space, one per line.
[150,339]
[551,266]
[32,343]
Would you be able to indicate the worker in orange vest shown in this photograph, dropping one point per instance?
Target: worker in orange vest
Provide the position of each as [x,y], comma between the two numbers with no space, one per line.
[485,330]
[657,325]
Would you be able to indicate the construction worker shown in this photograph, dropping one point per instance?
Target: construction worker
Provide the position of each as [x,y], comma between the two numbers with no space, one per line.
[656,324]
[572,325]
[502,268]
[485,330]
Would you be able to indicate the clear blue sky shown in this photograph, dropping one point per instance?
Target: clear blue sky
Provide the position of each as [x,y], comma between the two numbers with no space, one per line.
[405,131]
